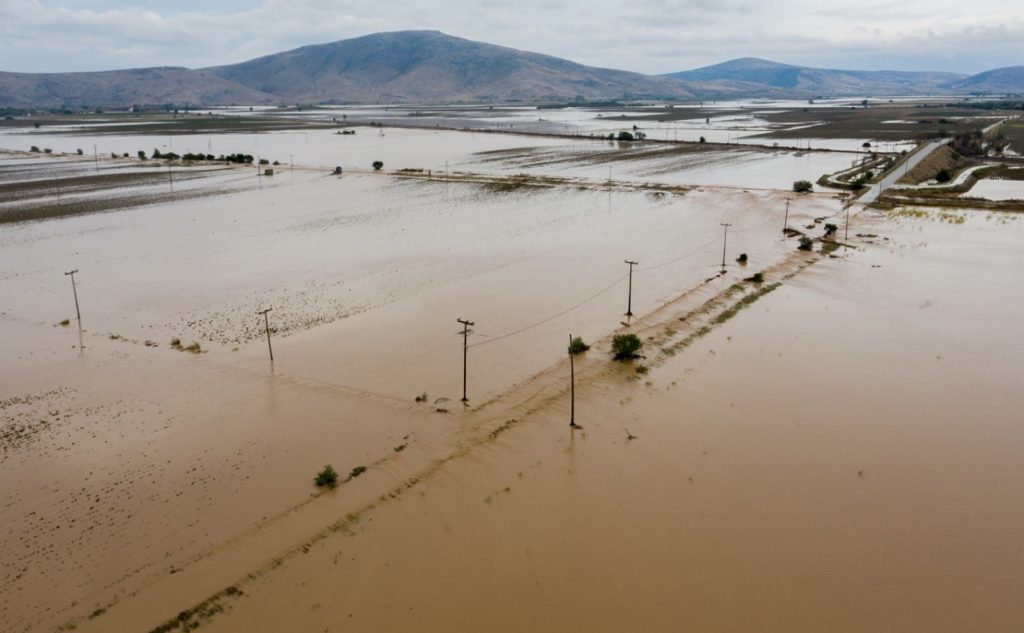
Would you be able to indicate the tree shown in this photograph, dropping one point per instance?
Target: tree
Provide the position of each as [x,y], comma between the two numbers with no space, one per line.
[803,186]
[378,165]
[626,346]
[625,136]
[327,477]
[578,346]
[806,243]
[703,140]
[142,155]
[943,176]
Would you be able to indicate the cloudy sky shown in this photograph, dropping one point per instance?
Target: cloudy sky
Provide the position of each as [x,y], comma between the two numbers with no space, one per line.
[652,36]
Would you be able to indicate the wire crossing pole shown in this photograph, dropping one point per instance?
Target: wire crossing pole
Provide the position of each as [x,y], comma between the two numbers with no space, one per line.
[78,313]
[465,353]
[785,222]
[572,387]
[629,300]
[266,325]
[725,239]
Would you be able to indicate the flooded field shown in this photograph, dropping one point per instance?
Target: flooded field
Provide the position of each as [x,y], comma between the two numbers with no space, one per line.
[810,440]
[998,190]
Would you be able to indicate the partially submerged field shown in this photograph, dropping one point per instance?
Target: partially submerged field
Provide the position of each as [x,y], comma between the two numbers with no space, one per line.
[830,448]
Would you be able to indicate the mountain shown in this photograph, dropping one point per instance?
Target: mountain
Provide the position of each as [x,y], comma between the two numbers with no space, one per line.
[998,81]
[142,86]
[429,66]
[752,76]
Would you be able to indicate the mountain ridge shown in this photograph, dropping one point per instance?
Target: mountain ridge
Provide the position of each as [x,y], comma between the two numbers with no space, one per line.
[432,67]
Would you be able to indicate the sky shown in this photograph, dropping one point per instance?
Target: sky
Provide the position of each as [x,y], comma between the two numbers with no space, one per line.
[649,36]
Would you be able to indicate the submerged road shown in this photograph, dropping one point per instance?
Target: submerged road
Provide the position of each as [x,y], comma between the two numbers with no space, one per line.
[912,161]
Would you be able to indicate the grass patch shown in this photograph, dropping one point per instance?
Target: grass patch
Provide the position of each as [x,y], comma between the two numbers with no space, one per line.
[65,322]
[194,348]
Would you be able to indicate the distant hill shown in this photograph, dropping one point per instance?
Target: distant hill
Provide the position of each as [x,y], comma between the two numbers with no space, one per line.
[751,75]
[142,86]
[997,81]
[429,66]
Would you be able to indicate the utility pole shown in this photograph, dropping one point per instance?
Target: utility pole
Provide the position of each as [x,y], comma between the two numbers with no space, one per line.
[78,313]
[629,301]
[785,222]
[725,239]
[572,387]
[846,229]
[170,177]
[465,353]
[96,158]
[266,325]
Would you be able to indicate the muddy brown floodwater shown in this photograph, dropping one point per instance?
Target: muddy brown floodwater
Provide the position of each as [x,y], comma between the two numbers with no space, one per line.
[835,448]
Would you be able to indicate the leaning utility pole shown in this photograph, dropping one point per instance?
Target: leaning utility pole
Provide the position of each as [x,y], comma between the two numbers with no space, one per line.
[465,353]
[572,387]
[78,313]
[785,222]
[725,239]
[266,325]
[629,300]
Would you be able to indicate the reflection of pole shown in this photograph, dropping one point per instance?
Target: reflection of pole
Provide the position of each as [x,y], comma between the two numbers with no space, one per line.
[629,301]
[96,157]
[572,387]
[266,325]
[465,353]
[725,239]
[78,313]
[785,222]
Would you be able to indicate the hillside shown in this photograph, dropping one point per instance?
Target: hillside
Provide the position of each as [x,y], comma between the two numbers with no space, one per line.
[143,86]
[419,66]
[751,75]
[997,81]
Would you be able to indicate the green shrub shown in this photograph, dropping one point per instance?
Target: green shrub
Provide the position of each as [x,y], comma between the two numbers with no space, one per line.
[943,176]
[806,243]
[626,346]
[358,470]
[378,165]
[577,346]
[803,186]
[625,136]
[830,229]
[742,258]
[756,278]
[326,477]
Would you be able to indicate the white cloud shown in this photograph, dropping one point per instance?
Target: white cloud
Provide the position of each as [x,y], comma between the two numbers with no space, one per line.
[643,35]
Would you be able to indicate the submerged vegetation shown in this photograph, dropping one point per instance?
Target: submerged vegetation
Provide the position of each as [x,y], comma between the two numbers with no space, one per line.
[626,346]
[577,346]
[327,477]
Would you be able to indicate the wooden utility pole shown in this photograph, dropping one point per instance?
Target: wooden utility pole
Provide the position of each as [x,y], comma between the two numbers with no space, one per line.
[78,313]
[629,300]
[465,353]
[846,229]
[785,222]
[266,325]
[572,387]
[725,239]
